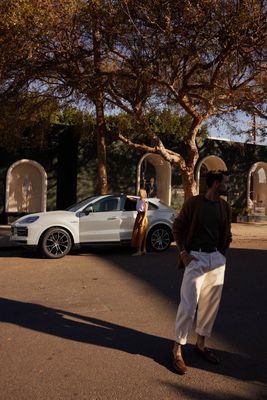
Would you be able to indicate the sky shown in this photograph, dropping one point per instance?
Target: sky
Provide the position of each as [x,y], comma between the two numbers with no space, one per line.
[222,130]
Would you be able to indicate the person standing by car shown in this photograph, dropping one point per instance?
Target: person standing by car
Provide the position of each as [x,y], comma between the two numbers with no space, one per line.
[140,225]
[151,188]
[202,232]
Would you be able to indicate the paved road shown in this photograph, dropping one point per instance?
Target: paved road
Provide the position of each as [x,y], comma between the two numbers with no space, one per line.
[99,326]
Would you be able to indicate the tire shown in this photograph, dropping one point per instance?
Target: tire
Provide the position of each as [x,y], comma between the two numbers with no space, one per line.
[55,243]
[159,238]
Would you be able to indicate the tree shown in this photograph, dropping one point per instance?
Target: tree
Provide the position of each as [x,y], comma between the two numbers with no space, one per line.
[56,48]
[24,102]
[203,57]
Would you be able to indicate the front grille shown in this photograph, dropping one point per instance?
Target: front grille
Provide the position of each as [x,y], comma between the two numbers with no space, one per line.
[19,230]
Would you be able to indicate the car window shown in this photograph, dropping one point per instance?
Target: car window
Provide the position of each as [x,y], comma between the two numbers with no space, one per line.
[80,204]
[130,204]
[152,206]
[107,204]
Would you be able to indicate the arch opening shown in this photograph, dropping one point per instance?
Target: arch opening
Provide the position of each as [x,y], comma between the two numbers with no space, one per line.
[153,171]
[26,188]
[208,163]
[257,189]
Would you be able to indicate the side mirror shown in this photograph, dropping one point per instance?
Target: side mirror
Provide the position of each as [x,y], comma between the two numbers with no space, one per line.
[85,212]
[88,210]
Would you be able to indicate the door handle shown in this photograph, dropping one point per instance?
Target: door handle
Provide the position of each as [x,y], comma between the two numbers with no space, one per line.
[112,218]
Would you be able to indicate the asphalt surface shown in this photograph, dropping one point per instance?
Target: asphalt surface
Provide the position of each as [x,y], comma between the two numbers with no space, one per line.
[99,326]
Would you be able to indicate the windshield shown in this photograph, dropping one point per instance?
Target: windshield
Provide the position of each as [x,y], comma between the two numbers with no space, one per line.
[80,204]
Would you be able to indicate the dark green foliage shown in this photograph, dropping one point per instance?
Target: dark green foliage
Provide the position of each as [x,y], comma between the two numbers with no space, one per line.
[122,168]
[69,156]
[239,158]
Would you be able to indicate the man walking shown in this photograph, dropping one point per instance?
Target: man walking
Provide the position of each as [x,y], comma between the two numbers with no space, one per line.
[202,231]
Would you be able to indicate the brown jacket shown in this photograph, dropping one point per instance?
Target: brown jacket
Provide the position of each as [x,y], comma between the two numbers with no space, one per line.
[188,222]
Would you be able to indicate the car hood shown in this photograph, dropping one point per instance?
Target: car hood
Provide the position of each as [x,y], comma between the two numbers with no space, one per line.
[48,215]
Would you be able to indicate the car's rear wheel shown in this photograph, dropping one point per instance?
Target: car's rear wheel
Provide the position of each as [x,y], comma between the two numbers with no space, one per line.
[55,243]
[159,238]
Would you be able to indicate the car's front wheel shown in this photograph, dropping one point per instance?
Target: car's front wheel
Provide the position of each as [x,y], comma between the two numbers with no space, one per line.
[159,238]
[55,243]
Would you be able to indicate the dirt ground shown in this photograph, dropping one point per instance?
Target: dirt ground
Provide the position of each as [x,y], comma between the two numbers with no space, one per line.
[249,235]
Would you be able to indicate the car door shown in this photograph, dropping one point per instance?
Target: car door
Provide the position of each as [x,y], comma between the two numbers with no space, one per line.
[128,216]
[102,224]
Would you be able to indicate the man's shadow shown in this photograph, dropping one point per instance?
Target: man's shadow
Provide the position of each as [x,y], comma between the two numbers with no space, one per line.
[85,329]
[91,330]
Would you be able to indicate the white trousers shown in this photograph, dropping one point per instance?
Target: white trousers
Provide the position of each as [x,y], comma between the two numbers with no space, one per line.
[201,289]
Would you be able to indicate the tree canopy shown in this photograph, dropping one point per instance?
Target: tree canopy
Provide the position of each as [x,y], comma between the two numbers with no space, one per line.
[201,58]
[189,55]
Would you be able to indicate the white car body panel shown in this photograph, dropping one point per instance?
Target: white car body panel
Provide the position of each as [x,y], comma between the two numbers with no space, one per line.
[100,228]
[127,223]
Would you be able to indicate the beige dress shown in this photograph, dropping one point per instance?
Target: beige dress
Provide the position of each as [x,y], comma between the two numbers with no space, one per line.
[140,227]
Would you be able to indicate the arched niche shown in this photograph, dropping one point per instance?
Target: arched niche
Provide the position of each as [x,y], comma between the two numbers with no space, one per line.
[154,166]
[257,189]
[209,163]
[26,187]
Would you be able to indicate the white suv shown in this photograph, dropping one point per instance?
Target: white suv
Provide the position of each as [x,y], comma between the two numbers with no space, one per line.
[95,220]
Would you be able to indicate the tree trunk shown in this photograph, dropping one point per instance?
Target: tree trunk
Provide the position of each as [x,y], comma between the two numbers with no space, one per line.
[101,145]
[99,106]
[188,174]
[189,184]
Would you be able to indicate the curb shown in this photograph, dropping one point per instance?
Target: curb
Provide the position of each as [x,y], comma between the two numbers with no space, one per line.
[4,238]
[5,227]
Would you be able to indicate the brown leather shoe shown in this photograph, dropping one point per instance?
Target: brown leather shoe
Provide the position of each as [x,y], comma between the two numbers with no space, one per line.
[179,364]
[208,355]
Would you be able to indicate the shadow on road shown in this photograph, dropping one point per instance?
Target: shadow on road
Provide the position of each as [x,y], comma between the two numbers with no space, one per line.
[85,329]
[194,393]
[17,252]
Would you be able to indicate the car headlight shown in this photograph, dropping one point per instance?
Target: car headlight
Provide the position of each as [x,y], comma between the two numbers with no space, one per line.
[29,220]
